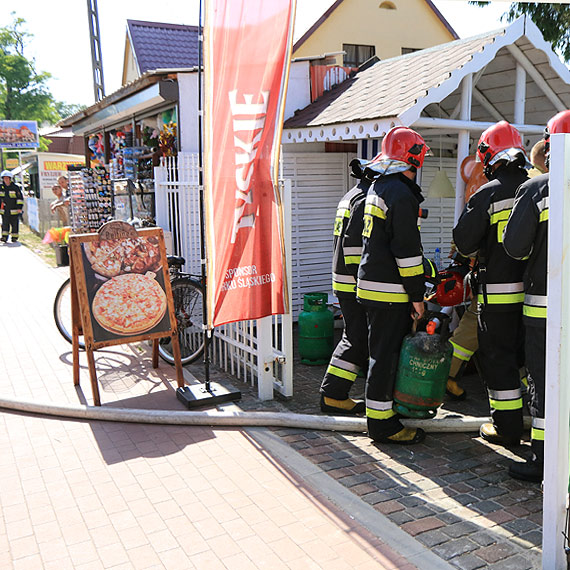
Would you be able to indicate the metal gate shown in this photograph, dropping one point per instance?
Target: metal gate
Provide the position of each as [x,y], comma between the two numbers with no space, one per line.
[254,351]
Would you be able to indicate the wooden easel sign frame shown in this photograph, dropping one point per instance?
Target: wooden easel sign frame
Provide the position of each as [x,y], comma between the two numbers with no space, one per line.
[120,293]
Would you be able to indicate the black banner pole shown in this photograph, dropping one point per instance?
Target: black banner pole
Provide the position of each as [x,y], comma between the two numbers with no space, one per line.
[211,393]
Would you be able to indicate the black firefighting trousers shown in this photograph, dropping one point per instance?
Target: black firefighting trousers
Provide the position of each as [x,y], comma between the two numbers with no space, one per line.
[535,349]
[351,353]
[387,328]
[501,353]
[10,224]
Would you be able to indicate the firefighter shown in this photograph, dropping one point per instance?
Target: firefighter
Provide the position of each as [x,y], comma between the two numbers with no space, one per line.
[479,232]
[11,206]
[350,356]
[526,235]
[391,283]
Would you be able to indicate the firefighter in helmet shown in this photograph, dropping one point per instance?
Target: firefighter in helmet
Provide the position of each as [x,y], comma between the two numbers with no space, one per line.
[350,356]
[391,283]
[526,235]
[11,206]
[499,290]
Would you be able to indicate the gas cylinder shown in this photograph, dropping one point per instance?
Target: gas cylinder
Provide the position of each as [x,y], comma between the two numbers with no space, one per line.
[423,370]
[316,330]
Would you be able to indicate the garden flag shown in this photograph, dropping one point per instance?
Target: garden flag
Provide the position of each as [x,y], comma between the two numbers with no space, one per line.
[247,52]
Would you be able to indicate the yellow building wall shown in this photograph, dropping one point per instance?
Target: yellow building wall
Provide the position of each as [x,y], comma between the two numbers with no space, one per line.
[412,24]
[130,72]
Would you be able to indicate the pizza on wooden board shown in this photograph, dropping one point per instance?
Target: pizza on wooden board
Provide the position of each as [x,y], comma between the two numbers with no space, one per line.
[129,304]
[110,258]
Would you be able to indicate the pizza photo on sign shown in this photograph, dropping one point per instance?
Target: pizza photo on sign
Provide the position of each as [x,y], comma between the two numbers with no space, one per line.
[129,304]
[125,287]
[110,258]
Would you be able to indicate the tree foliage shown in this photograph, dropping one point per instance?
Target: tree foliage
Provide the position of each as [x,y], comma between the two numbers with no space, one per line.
[553,20]
[24,94]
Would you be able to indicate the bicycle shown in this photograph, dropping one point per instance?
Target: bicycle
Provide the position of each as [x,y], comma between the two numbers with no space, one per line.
[187,293]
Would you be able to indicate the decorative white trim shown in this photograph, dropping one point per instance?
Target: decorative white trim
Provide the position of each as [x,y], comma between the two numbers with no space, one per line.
[353,131]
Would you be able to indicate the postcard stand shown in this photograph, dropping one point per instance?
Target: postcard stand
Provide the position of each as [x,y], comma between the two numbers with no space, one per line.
[83,321]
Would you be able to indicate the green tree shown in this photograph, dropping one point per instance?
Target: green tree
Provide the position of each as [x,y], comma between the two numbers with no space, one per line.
[553,20]
[24,94]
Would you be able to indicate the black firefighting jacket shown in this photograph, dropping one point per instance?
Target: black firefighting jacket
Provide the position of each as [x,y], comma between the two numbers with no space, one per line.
[391,270]
[479,232]
[11,199]
[526,236]
[348,239]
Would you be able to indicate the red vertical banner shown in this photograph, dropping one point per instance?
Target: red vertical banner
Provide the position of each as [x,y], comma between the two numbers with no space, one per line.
[247,52]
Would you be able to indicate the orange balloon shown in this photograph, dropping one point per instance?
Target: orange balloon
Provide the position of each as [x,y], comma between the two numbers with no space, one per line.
[473,176]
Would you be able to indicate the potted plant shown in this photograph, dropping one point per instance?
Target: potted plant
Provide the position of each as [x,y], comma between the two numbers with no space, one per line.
[59,238]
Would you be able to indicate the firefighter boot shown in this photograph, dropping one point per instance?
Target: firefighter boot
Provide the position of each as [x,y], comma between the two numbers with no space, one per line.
[348,407]
[489,433]
[531,470]
[406,436]
[454,391]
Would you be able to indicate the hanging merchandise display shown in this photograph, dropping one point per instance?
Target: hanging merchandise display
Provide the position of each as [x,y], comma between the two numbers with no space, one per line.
[91,198]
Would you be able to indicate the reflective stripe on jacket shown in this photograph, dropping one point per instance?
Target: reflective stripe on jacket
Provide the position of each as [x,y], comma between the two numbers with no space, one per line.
[391,269]
[479,231]
[348,239]
[526,236]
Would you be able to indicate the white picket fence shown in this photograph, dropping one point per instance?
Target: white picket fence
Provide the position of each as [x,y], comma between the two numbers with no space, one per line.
[259,351]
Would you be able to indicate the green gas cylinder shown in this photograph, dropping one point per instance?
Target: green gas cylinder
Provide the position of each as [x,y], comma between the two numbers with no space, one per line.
[316,330]
[423,369]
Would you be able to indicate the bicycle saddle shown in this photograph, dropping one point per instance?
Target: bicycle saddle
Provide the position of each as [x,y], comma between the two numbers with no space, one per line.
[175,260]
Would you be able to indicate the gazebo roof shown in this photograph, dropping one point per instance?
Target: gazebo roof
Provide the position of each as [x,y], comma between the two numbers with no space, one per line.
[426,83]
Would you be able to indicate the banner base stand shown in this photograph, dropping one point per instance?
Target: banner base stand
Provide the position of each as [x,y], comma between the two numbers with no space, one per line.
[197,395]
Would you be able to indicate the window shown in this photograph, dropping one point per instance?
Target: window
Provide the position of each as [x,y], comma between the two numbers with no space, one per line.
[387,6]
[409,50]
[356,54]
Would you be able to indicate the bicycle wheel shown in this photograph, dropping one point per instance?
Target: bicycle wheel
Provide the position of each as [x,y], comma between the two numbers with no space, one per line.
[187,295]
[62,313]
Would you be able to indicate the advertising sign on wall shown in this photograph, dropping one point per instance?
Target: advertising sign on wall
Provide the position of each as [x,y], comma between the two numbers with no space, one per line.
[19,134]
[247,56]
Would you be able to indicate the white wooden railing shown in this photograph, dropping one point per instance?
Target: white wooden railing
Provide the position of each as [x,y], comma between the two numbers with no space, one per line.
[259,351]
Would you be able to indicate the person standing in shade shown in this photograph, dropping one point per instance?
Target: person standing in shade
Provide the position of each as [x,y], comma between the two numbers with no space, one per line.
[479,233]
[350,356]
[526,236]
[11,207]
[391,283]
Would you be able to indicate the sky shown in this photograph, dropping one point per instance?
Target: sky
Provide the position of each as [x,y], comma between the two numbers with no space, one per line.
[60,29]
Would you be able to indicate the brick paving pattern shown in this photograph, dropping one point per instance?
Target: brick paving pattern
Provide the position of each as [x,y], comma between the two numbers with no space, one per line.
[106,495]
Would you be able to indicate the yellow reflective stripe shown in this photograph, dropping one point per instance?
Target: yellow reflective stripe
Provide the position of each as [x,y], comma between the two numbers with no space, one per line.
[349,259]
[537,434]
[543,216]
[535,312]
[461,352]
[14,212]
[379,415]
[373,210]
[502,215]
[411,271]
[344,287]
[495,299]
[506,404]
[382,297]
[341,373]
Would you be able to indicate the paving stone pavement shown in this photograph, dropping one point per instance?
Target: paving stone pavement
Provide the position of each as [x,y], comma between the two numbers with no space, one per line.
[104,495]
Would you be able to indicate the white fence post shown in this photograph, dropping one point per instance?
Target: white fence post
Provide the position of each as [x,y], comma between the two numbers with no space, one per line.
[265,359]
[287,320]
[557,413]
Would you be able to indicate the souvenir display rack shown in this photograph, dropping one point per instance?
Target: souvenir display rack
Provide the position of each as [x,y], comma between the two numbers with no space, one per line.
[91,198]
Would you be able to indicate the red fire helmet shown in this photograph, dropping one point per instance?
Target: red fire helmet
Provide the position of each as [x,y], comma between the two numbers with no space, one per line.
[560,123]
[499,137]
[450,291]
[405,145]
